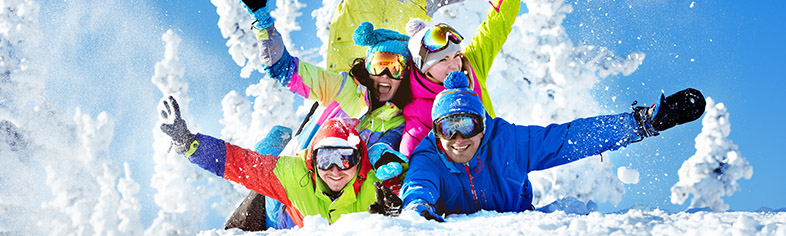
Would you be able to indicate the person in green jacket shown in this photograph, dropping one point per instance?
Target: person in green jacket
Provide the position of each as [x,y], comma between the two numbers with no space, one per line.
[330,178]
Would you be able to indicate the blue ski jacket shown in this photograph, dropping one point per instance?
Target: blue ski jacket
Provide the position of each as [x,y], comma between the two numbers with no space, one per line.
[496,177]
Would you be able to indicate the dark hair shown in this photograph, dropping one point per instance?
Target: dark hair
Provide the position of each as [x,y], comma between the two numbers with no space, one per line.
[403,93]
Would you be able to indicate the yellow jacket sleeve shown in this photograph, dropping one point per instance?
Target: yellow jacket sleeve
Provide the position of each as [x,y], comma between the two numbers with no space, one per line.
[327,87]
[492,34]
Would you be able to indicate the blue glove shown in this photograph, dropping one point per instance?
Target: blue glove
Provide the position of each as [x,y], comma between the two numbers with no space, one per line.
[386,161]
[426,211]
[260,10]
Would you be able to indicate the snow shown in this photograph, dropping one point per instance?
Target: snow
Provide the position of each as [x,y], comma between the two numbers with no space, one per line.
[60,177]
[628,175]
[633,222]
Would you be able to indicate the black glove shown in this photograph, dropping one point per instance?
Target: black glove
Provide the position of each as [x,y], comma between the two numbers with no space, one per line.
[684,106]
[177,130]
[255,5]
[387,203]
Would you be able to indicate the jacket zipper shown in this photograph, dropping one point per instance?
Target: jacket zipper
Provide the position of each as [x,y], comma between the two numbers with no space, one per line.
[472,186]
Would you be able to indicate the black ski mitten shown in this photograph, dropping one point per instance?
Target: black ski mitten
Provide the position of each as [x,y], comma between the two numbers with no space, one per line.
[679,108]
[387,203]
[254,5]
[177,130]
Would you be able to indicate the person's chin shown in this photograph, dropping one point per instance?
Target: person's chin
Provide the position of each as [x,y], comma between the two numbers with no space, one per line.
[385,97]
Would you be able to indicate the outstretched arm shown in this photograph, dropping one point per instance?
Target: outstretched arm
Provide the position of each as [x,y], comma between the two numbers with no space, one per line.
[492,34]
[560,144]
[421,188]
[304,79]
[251,169]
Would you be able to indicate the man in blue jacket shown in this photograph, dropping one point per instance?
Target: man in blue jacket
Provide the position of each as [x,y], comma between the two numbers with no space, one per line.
[470,162]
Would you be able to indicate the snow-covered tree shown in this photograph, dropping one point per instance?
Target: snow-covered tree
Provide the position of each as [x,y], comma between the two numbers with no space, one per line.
[713,171]
[43,146]
[181,203]
[18,181]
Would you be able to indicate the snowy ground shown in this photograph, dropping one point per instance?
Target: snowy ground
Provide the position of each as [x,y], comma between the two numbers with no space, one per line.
[633,222]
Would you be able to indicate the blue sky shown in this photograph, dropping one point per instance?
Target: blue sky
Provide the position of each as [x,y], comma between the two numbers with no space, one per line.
[737,54]
[731,50]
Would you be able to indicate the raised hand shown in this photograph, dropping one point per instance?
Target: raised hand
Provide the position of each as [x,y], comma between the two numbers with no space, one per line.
[254,5]
[679,108]
[175,126]
[260,11]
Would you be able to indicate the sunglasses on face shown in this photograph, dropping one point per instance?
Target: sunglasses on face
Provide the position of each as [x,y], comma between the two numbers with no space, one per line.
[386,63]
[467,125]
[343,158]
[437,38]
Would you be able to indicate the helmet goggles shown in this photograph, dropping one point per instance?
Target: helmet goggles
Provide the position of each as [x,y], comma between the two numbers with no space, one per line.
[386,63]
[342,157]
[437,38]
[466,124]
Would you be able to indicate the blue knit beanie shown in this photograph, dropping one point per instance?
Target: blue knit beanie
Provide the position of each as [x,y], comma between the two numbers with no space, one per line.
[384,40]
[457,98]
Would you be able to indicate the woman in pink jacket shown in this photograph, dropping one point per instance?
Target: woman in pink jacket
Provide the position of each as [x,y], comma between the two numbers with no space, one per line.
[436,52]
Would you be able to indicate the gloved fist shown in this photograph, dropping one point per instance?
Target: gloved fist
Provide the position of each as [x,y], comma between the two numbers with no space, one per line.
[175,126]
[679,108]
[260,11]
[386,161]
[387,203]
[425,211]
[254,5]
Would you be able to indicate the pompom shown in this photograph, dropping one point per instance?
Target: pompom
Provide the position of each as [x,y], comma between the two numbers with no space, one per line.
[414,26]
[455,80]
[364,35]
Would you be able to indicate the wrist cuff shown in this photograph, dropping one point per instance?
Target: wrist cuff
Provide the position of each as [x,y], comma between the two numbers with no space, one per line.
[192,147]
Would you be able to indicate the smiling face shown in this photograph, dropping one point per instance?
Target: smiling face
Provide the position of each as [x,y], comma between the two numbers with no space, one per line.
[337,179]
[439,71]
[461,149]
[386,86]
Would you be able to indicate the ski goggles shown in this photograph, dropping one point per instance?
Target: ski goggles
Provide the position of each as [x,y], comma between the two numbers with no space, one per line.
[343,158]
[437,38]
[386,63]
[468,125]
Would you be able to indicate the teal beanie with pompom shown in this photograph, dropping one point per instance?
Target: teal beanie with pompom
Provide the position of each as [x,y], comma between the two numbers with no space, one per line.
[383,40]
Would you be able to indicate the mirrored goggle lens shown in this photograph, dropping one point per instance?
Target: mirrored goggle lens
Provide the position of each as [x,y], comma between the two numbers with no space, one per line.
[466,125]
[379,62]
[343,158]
[437,38]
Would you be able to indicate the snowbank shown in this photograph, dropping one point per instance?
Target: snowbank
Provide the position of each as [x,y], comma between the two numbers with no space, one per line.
[634,222]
